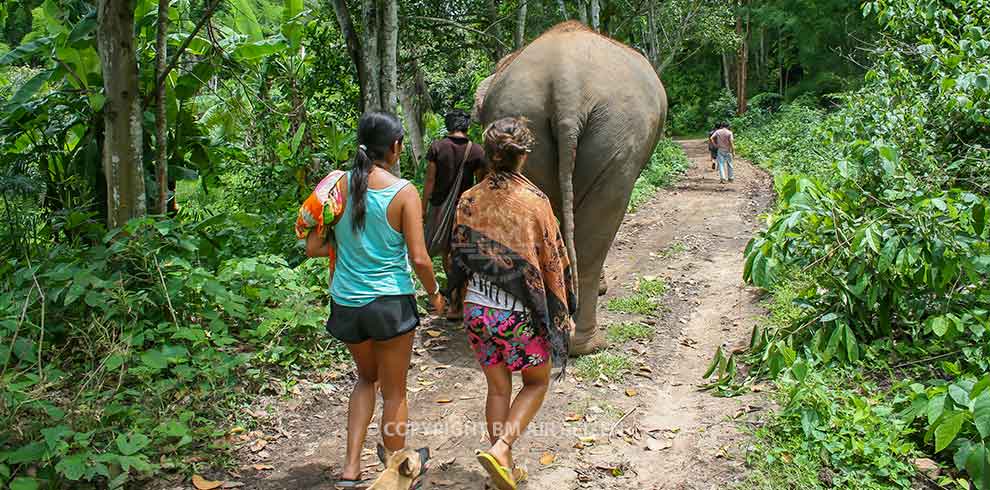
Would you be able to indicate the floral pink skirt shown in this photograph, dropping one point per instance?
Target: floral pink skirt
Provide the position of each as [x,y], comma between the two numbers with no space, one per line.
[504,337]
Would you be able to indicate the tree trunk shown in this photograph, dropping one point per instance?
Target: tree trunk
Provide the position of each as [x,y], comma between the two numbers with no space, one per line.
[161,115]
[520,37]
[583,8]
[390,56]
[726,78]
[596,14]
[563,9]
[122,143]
[354,47]
[497,49]
[742,59]
[371,55]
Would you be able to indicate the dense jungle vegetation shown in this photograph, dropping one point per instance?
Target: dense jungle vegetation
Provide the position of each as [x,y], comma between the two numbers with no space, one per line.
[151,283]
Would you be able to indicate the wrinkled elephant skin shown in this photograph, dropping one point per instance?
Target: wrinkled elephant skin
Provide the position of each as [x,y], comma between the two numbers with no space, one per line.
[597,110]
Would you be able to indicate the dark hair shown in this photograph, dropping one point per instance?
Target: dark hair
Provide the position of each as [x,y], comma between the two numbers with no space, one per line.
[457,120]
[506,140]
[376,133]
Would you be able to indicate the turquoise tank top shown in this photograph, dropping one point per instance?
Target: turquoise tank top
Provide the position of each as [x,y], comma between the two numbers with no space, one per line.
[374,261]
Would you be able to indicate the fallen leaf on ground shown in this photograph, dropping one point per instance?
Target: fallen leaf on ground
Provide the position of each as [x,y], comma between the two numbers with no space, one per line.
[573,418]
[444,400]
[434,333]
[237,430]
[631,392]
[263,467]
[547,458]
[258,445]
[203,484]
[657,445]
[232,484]
[443,366]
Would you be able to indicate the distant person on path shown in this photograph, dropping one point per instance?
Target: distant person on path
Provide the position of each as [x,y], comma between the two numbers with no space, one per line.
[725,142]
[508,251]
[445,158]
[712,149]
[377,230]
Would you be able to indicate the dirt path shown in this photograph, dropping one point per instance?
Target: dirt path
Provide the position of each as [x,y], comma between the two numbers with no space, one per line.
[653,429]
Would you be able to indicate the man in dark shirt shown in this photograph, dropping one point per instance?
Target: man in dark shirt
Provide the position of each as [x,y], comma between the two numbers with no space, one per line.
[444,159]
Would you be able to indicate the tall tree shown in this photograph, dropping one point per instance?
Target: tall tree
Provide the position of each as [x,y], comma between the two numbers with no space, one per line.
[676,29]
[742,56]
[596,15]
[375,52]
[161,115]
[520,35]
[122,114]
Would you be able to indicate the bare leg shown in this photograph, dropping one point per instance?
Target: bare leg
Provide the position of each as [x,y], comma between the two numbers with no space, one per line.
[393,365]
[360,407]
[499,398]
[536,381]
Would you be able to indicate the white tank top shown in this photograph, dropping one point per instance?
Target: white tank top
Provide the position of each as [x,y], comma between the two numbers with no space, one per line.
[490,295]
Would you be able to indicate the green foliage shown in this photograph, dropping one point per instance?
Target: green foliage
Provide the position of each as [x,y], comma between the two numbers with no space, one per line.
[623,332]
[608,366]
[666,164]
[123,353]
[835,430]
[644,302]
[885,225]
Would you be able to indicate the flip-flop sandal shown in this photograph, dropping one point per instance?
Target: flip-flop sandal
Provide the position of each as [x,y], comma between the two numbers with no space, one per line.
[519,474]
[424,459]
[501,476]
[347,484]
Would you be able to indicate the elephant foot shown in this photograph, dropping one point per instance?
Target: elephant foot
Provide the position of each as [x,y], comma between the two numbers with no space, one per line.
[590,345]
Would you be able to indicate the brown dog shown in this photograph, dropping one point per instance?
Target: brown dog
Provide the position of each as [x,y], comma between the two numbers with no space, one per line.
[402,470]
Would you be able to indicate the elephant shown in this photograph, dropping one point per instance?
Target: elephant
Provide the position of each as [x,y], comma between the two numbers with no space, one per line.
[597,109]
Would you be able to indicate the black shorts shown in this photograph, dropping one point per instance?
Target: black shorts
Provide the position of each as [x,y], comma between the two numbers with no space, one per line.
[714,153]
[383,319]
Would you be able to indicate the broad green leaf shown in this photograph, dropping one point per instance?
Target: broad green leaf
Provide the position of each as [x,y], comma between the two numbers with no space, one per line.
[31,453]
[976,465]
[73,467]
[981,414]
[939,325]
[131,444]
[30,87]
[26,50]
[800,370]
[948,429]
[24,483]
[852,347]
[979,218]
[54,435]
[297,138]
[979,387]
[245,19]
[154,359]
[935,408]
[258,49]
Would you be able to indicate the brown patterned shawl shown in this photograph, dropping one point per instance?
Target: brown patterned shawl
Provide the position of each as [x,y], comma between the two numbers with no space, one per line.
[507,234]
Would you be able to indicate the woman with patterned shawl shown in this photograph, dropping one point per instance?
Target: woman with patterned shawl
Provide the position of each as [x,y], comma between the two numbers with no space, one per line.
[508,253]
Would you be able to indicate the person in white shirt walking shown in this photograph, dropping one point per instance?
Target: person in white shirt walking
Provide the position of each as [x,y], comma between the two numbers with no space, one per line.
[725,143]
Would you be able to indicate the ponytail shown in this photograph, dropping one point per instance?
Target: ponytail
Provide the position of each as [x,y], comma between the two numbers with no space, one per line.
[359,187]
[377,131]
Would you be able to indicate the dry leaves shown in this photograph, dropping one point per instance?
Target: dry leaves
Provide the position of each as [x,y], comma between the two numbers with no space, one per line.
[444,400]
[631,392]
[203,484]
[258,445]
[262,467]
[434,333]
[548,458]
[573,418]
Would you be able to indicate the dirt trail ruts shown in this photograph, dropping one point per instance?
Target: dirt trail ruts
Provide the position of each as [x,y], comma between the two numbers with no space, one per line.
[654,429]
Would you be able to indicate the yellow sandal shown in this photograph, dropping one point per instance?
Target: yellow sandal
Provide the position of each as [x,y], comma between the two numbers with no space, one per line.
[500,475]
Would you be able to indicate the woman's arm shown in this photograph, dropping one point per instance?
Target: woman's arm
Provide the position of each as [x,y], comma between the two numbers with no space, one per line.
[315,246]
[419,257]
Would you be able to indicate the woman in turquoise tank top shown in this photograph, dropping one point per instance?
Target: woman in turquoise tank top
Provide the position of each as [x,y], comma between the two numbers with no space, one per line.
[373,307]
